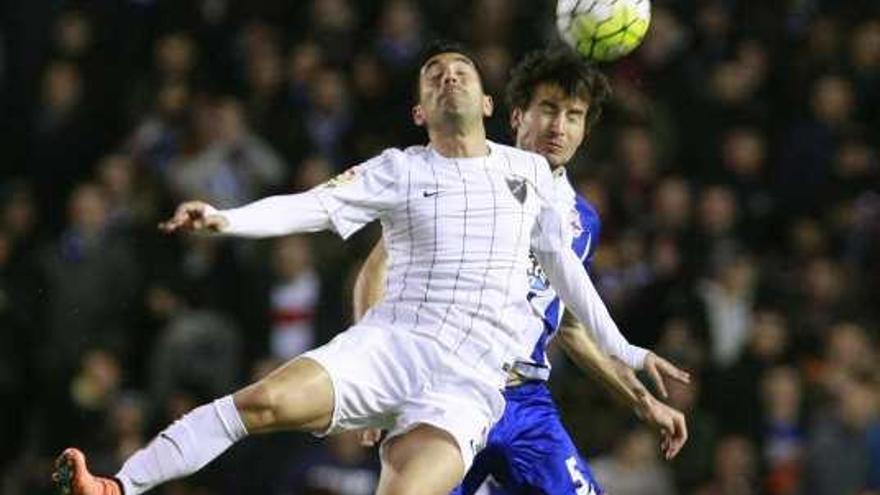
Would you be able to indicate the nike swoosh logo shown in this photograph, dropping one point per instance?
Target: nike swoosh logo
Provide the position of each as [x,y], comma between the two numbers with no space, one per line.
[428,194]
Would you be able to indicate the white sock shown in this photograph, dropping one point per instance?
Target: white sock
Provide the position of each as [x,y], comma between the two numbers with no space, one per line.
[184,447]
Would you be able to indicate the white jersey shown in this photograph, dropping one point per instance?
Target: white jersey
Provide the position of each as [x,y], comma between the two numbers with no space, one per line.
[457,232]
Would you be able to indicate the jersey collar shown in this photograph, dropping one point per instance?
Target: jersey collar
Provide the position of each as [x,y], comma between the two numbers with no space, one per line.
[493,152]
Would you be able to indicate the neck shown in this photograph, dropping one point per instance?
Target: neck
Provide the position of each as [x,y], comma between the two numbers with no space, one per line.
[460,143]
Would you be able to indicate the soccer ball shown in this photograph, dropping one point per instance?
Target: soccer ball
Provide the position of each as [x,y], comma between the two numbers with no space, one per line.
[603,30]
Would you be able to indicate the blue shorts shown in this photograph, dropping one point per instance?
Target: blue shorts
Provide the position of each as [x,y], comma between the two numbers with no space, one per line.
[529,451]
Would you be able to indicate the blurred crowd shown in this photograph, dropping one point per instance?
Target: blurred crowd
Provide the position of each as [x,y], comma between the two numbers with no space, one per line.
[736,172]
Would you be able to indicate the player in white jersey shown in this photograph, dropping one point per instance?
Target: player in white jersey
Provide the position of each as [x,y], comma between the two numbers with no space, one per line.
[554,97]
[459,217]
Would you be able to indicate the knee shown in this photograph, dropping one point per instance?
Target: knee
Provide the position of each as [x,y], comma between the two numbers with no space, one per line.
[296,397]
[259,406]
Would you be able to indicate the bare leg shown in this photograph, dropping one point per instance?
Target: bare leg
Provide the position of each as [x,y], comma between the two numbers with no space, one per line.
[426,460]
[296,396]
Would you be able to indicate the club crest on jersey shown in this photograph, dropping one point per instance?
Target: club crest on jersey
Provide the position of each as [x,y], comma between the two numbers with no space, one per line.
[344,178]
[518,188]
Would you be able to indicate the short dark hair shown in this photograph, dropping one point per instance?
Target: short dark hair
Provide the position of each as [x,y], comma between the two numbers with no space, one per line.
[436,47]
[563,67]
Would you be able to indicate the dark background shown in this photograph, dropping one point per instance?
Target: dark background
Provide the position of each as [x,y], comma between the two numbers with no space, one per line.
[736,171]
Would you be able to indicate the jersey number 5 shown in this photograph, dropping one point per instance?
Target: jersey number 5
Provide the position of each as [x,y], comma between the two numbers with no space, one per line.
[582,486]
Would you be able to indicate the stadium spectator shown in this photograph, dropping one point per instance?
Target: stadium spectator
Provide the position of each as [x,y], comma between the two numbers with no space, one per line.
[294,297]
[736,468]
[196,349]
[235,166]
[633,467]
[91,281]
[783,439]
[838,452]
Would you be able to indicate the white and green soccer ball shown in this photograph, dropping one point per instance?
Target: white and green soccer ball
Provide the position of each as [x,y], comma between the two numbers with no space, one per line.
[603,30]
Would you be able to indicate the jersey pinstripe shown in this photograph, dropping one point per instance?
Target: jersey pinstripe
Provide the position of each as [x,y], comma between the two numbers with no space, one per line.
[457,233]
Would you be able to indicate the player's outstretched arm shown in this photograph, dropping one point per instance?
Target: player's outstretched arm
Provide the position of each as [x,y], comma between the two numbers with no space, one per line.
[580,347]
[551,243]
[576,289]
[269,217]
[622,382]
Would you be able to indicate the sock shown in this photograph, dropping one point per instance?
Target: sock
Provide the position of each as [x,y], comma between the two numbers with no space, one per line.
[184,447]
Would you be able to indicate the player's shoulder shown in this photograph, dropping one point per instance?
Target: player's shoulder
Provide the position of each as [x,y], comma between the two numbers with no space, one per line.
[394,155]
[415,152]
[394,159]
[411,156]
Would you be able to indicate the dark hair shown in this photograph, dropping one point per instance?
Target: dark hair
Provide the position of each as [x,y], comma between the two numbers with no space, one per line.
[563,67]
[436,47]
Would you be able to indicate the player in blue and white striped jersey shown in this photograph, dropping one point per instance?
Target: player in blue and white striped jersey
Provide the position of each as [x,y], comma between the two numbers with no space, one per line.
[554,97]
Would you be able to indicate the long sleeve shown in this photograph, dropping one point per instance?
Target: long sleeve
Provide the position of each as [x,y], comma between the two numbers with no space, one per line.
[551,244]
[343,204]
[278,215]
[574,286]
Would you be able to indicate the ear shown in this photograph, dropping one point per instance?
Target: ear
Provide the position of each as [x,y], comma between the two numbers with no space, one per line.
[516,116]
[488,106]
[418,116]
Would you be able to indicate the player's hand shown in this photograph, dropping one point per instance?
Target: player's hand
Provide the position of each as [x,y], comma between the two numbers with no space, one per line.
[659,368]
[672,425]
[194,216]
[370,437]
[675,436]
[667,420]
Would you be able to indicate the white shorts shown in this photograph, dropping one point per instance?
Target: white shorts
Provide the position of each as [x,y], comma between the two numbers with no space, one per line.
[394,380]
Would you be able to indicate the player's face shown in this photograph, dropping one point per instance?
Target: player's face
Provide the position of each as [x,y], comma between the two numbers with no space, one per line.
[553,125]
[450,88]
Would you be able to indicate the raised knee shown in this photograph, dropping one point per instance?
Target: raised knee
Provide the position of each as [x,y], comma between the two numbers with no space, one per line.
[259,406]
[272,405]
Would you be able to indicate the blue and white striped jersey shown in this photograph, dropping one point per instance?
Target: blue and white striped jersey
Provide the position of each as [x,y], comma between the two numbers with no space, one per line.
[546,304]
